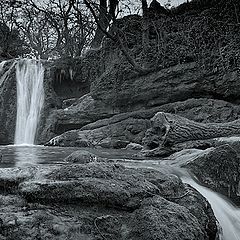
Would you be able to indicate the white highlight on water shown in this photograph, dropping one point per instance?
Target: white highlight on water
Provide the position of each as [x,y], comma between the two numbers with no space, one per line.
[226,213]
[30,98]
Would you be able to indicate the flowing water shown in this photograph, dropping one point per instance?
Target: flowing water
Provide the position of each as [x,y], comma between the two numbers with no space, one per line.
[30,97]
[227,214]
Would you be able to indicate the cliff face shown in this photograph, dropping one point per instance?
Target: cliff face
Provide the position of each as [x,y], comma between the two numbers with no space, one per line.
[193,53]
[173,84]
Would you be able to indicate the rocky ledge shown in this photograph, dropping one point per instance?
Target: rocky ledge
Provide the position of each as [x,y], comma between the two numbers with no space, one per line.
[121,129]
[97,199]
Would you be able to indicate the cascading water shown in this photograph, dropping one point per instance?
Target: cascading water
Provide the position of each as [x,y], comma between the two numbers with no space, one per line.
[226,213]
[30,98]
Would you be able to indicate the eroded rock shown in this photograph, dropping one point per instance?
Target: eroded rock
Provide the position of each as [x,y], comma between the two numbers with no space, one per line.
[132,126]
[219,169]
[158,218]
[81,156]
[89,200]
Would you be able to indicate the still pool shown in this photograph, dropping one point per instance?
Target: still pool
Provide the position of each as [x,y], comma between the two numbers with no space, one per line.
[23,155]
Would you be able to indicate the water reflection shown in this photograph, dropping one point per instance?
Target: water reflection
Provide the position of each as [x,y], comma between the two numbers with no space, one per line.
[26,155]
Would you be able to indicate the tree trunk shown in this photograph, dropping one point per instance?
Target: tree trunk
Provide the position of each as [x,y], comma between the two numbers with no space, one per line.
[104,21]
[169,129]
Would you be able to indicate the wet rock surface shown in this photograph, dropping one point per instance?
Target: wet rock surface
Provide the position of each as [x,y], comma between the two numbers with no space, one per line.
[158,218]
[8,102]
[97,200]
[81,157]
[219,169]
[216,167]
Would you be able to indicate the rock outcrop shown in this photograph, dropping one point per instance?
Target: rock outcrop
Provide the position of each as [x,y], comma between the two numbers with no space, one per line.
[216,167]
[8,101]
[131,127]
[60,202]
[219,169]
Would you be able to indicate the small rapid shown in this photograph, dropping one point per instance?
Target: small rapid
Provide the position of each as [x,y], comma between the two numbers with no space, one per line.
[227,214]
[30,98]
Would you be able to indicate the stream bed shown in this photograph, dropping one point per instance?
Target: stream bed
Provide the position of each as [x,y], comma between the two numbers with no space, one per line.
[228,214]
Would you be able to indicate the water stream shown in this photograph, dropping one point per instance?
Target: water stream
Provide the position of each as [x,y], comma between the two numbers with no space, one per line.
[227,214]
[30,97]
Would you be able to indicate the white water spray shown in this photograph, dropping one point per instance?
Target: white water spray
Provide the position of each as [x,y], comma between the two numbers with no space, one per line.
[30,98]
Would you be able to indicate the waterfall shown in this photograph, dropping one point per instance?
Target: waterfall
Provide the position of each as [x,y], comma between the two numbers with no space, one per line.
[30,97]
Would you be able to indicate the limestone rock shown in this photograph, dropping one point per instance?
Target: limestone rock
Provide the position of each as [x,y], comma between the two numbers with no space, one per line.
[106,199]
[116,135]
[134,146]
[81,156]
[132,126]
[219,169]
[8,102]
[158,218]
[104,184]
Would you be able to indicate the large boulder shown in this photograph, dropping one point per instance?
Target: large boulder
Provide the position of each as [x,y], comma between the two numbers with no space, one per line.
[81,156]
[158,218]
[130,203]
[218,169]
